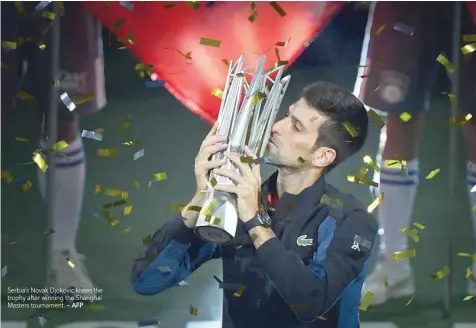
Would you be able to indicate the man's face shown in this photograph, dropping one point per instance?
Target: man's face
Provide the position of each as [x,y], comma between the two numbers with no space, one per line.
[293,137]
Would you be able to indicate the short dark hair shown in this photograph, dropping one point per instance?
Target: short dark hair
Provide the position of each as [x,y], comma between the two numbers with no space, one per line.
[342,110]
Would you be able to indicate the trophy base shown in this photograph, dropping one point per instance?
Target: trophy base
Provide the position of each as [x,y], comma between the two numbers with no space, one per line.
[214,235]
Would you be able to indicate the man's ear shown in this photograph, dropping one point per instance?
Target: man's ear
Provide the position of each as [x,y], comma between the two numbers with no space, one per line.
[323,157]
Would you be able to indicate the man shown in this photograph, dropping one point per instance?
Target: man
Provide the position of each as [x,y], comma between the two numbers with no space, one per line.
[304,266]
[28,69]
[401,67]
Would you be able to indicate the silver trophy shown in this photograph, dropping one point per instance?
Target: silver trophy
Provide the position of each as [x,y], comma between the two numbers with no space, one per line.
[247,113]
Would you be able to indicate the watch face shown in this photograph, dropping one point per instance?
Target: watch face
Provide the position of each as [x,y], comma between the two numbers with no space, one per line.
[265,219]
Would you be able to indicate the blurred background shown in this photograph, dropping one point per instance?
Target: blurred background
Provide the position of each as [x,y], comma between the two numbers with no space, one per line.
[170,135]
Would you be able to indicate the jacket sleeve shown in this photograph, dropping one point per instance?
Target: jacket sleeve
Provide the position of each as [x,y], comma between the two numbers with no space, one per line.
[311,291]
[174,253]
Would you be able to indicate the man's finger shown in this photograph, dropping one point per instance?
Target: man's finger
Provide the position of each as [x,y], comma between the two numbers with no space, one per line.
[231,174]
[208,151]
[213,164]
[244,168]
[213,130]
[212,140]
[227,188]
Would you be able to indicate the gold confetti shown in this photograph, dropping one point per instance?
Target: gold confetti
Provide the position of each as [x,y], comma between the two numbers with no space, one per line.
[26,186]
[147,240]
[473,256]
[350,129]
[125,125]
[412,233]
[97,189]
[172,5]
[22,95]
[253,5]
[84,98]
[195,5]
[210,42]
[118,23]
[407,303]
[446,63]
[212,219]
[278,8]
[116,193]
[160,176]
[401,255]
[131,143]
[440,274]
[212,183]
[301,160]
[193,311]
[127,210]
[468,273]
[10,45]
[21,139]
[396,164]
[385,281]
[469,38]
[253,16]
[40,161]
[361,180]
[115,204]
[419,225]
[283,43]
[144,70]
[469,48]
[107,152]
[217,93]
[432,174]
[375,203]
[460,120]
[239,291]
[468,298]
[405,117]
[208,209]
[380,29]
[369,161]
[366,301]
[279,62]
[110,218]
[70,263]
[377,119]
[226,62]
[7,176]
[60,145]
[450,96]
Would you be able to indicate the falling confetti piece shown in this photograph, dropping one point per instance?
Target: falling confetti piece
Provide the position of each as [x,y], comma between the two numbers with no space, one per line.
[440,274]
[407,303]
[239,291]
[385,281]
[39,160]
[301,160]
[91,135]
[350,129]
[278,8]
[147,240]
[468,273]
[7,176]
[375,203]
[160,176]
[4,271]
[116,193]
[469,38]
[127,4]
[405,117]
[107,152]
[381,29]
[115,204]
[467,298]
[369,161]
[247,159]
[193,311]
[217,93]
[138,154]
[70,263]
[419,225]
[210,42]
[130,143]
[401,255]
[253,16]
[110,218]
[195,5]
[136,184]
[376,118]
[67,102]
[125,125]
[172,5]
[10,45]
[22,95]
[432,174]
[469,48]
[460,120]
[127,210]
[446,63]
[366,301]
[84,98]
[412,233]
[21,139]
[26,186]
[60,145]
[400,27]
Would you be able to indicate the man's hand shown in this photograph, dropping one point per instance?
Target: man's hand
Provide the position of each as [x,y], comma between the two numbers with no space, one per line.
[248,185]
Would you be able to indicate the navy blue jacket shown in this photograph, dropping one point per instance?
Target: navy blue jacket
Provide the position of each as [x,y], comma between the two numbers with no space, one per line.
[311,275]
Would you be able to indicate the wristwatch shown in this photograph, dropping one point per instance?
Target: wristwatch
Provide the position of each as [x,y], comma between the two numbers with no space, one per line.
[261,219]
